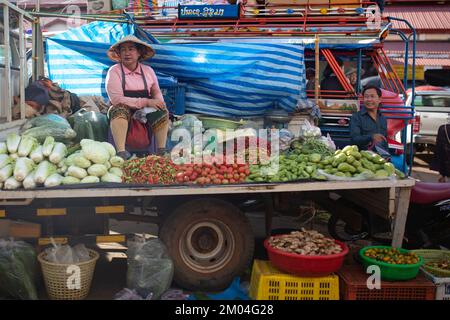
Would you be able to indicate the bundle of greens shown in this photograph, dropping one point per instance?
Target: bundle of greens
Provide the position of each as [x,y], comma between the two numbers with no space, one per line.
[18,270]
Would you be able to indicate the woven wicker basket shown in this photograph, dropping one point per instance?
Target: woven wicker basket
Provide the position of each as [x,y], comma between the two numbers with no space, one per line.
[434,256]
[56,278]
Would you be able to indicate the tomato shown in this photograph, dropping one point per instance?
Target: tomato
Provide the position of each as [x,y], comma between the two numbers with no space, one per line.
[213,172]
[207,180]
[235,166]
[236,176]
[241,170]
[220,176]
[225,181]
[232,181]
[186,178]
[247,172]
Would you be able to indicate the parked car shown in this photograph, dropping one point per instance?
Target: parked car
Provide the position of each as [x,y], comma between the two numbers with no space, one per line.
[432,109]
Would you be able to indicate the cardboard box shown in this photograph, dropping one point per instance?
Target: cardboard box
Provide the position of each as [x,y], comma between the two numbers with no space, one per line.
[98,6]
[19,229]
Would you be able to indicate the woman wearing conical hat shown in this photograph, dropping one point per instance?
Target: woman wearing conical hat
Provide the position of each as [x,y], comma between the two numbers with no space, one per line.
[131,86]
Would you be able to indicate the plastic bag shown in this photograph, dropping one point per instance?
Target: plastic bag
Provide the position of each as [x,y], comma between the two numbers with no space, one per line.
[128,294]
[286,138]
[307,130]
[65,254]
[328,142]
[52,120]
[174,294]
[188,121]
[359,177]
[141,114]
[18,270]
[150,269]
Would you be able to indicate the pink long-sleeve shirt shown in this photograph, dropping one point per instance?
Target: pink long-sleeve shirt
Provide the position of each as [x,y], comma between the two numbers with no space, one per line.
[133,81]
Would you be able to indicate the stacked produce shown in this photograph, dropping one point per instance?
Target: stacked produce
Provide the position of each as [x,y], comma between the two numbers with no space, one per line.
[302,162]
[49,125]
[26,163]
[95,162]
[214,173]
[149,170]
[309,243]
[350,162]
[391,256]
[314,160]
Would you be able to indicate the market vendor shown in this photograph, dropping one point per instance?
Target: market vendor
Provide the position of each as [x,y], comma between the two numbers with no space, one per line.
[132,85]
[368,127]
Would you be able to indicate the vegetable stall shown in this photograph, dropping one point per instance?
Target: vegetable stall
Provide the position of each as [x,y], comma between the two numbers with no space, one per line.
[68,178]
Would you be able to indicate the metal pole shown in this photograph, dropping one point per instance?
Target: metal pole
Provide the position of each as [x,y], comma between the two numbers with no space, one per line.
[358,72]
[23,71]
[7,64]
[317,83]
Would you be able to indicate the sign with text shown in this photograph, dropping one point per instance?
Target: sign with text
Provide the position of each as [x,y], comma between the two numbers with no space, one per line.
[204,12]
[400,70]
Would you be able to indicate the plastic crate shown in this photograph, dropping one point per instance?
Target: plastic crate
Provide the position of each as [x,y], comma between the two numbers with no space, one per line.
[442,285]
[268,283]
[353,286]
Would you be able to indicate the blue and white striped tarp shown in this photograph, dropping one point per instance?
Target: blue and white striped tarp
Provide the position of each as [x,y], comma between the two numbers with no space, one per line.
[223,79]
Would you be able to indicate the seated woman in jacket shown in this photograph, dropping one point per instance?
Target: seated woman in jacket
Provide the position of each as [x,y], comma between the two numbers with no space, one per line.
[132,85]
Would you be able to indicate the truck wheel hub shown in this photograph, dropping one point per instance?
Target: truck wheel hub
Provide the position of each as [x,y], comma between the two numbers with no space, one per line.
[206,246]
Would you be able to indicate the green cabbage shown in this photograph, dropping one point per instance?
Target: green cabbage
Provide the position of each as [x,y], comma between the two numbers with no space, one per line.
[27,144]
[12,142]
[116,162]
[22,168]
[6,172]
[95,151]
[48,145]
[53,180]
[110,148]
[97,170]
[70,180]
[3,148]
[90,179]
[44,170]
[58,153]
[81,162]
[36,155]
[109,177]
[29,182]
[12,184]
[76,172]
[116,171]
[4,160]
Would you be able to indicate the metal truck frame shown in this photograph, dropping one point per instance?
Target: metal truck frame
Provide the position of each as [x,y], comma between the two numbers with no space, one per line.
[205,228]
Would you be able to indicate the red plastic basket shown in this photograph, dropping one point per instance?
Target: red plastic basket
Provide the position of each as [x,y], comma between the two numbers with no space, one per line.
[306,266]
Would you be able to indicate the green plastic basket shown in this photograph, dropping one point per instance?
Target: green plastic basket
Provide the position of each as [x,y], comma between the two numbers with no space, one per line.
[434,256]
[392,272]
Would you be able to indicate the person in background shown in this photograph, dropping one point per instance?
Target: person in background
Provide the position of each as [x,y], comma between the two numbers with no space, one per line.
[311,77]
[36,99]
[352,76]
[368,127]
[132,85]
[441,160]
[330,81]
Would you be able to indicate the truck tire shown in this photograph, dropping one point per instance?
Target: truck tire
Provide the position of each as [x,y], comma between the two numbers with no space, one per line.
[210,242]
